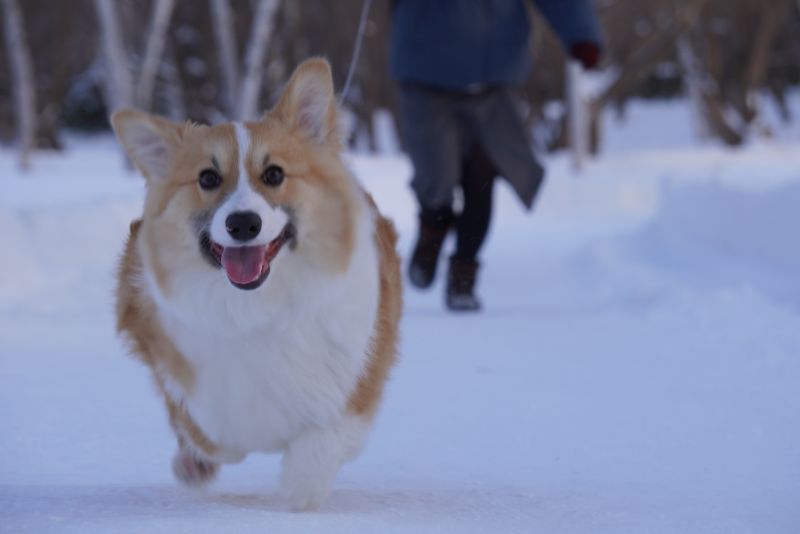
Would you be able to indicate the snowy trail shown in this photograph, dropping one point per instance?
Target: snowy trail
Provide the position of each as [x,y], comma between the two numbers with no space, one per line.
[635,369]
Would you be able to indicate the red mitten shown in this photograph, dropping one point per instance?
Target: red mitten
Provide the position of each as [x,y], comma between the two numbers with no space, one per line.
[587,53]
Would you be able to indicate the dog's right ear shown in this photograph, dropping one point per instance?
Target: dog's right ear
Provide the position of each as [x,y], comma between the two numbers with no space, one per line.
[150,141]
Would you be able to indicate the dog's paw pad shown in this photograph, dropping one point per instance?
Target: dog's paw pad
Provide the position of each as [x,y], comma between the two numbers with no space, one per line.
[193,471]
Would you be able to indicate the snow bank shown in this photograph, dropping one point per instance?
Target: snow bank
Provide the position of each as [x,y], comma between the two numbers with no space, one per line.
[720,236]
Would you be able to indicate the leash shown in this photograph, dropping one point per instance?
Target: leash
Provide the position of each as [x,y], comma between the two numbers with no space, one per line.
[362,24]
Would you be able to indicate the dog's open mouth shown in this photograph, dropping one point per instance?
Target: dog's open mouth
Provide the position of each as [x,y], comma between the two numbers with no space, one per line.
[248,267]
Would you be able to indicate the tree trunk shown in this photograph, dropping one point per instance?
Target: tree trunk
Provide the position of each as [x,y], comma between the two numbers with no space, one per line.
[119,83]
[24,87]
[174,93]
[254,62]
[226,47]
[778,91]
[577,123]
[156,38]
[693,81]
[713,105]
[772,15]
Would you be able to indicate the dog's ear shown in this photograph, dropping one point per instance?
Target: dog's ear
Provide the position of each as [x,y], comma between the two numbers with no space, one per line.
[149,141]
[308,103]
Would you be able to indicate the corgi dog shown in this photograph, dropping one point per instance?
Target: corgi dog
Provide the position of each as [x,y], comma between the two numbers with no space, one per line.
[261,286]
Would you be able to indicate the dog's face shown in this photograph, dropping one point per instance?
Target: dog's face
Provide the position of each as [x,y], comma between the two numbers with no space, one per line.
[240,198]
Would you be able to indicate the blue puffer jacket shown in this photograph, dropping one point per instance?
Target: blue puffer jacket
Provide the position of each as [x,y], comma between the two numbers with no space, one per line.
[455,44]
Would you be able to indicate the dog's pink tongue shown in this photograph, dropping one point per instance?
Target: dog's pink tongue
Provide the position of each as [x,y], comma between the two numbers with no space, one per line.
[243,264]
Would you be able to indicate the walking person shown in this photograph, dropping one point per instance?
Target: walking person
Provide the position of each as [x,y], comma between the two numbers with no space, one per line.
[457,62]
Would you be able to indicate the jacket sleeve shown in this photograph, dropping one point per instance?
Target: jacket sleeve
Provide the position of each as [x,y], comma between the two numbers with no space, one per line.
[573,20]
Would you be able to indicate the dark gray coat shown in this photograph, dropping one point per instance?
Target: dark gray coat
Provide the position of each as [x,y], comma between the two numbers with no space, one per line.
[441,126]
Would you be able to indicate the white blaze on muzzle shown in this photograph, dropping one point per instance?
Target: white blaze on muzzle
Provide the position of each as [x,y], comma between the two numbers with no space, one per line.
[245,199]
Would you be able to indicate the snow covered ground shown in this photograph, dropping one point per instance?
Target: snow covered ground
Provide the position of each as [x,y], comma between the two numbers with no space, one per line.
[635,369]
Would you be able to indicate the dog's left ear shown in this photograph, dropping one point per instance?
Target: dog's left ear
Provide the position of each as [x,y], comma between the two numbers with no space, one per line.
[308,103]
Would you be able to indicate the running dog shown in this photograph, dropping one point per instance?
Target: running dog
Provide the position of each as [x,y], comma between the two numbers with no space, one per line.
[261,286]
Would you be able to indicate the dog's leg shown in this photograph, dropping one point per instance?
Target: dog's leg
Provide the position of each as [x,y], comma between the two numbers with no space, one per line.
[192,470]
[312,460]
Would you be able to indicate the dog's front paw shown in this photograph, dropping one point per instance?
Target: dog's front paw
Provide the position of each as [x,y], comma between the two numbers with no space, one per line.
[193,471]
[304,491]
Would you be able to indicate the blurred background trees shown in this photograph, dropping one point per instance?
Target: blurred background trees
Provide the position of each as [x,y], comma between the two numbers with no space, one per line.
[211,59]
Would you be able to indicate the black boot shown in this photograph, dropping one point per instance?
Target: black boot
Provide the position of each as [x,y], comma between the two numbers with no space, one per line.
[433,228]
[461,285]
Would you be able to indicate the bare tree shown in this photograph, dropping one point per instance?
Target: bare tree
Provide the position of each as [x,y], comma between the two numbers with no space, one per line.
[24,88]
[730,96]
[693,80]
[656,47]
[577,127]
[226,45]
[154,51]
[758,61]
[118,80]
[174,93]
[252,83]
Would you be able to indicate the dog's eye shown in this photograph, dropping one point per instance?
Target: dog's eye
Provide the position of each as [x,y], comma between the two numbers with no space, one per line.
[273,176]
[209,179]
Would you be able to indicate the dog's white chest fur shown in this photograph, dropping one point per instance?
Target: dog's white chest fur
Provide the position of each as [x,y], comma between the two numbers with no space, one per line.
[257,392]
[269,366]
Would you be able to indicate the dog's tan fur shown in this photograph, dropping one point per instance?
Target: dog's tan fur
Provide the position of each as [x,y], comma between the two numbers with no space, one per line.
[366,397]
[137,318]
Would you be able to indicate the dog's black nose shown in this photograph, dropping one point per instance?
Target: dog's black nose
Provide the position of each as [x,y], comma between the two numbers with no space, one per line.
[243,225]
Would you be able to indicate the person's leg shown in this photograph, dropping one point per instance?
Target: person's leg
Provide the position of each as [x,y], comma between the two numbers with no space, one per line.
[434,226]
[472,227]
[432,138]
